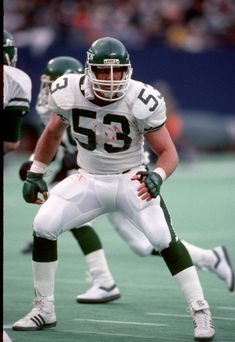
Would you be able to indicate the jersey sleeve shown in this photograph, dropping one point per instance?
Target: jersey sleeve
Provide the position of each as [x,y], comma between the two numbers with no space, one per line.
[54,108]
[149,108]
[17,90]
[157,119]
[61,98]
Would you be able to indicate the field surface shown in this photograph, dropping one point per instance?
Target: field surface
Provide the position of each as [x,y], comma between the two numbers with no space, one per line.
[201,199]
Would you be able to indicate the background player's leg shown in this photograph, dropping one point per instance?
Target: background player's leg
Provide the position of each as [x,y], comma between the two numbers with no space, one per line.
[103,287]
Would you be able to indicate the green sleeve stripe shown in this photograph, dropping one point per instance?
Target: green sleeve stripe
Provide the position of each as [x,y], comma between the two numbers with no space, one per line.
[152,129]
[19,99]
[22,108]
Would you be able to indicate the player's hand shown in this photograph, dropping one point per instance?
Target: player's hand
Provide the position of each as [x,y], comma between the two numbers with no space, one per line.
[33,185]
[150,184]
[24,169]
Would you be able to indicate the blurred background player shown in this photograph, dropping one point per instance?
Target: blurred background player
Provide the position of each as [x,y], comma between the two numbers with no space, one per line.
[215,260]
[103,287]
[17,95]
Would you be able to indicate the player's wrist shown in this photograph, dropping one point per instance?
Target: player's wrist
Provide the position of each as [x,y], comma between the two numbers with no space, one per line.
[38,167]
[161,172]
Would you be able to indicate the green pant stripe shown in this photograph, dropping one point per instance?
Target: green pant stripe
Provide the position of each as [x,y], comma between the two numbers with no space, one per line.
[168,220]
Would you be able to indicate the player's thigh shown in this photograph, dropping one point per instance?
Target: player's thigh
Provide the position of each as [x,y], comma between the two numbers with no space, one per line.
[151,217]
[71,204]
[155,222]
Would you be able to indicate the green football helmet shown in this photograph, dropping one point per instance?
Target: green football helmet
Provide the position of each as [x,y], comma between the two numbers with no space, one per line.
[108,53]
[59,66]
[9,49]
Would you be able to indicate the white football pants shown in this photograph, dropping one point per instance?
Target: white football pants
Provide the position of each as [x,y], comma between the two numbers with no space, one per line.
[82,197]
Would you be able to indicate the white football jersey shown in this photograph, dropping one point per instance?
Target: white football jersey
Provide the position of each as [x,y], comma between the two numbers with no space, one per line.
[17,89]
[110,137]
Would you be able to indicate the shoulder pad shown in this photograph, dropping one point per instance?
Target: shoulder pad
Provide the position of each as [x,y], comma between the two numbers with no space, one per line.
[18,83]
[19,76]
[63,90]
[146,100]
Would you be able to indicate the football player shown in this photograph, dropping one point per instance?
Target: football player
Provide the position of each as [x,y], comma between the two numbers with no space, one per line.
[215,260]
[103,287]
[111,115]
[16,95]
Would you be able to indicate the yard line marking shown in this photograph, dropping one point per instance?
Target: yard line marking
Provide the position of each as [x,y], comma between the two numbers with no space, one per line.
[119,322]
[229,308]
[166,315]
[159,338]
[185,316]
[7,326]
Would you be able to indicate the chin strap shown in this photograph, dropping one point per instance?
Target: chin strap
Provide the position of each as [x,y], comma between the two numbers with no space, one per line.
[89,95]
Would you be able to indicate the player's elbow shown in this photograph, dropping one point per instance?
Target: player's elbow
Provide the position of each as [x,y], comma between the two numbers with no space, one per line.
[176,158]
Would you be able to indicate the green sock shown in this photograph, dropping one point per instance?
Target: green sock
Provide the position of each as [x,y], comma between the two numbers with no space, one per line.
[87,239]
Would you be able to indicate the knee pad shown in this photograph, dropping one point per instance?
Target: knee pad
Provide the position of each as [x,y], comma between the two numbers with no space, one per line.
[177,257]
[44,250]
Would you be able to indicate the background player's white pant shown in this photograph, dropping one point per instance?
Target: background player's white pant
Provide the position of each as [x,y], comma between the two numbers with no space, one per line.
[82,197]
[136,240]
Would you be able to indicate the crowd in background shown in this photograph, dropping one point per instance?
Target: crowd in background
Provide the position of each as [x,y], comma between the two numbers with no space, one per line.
[191,25]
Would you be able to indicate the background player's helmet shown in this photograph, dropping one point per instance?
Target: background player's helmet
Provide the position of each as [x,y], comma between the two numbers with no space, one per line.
[59,66]
[108,53]
[9,49]
[55,68]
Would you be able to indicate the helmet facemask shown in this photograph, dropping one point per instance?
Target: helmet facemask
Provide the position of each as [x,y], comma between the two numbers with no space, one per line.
[9,50]
[108,53]
[46,83]
[42,99]
[111,89]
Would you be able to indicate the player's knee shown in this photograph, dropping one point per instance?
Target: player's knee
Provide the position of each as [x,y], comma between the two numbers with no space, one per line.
[176,257]
[141,250]
[44,228]
[160,240]
[43,233]
[44,250]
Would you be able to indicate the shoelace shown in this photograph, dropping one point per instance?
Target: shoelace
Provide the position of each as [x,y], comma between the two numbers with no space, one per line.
[37,302]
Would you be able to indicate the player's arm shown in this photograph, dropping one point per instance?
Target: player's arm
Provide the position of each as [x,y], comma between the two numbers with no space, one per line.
[45,150]
[162,145]
[50,140]
[150,182]
[11,129]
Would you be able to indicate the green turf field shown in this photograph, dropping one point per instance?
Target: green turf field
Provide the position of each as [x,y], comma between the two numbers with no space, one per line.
[201,199]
